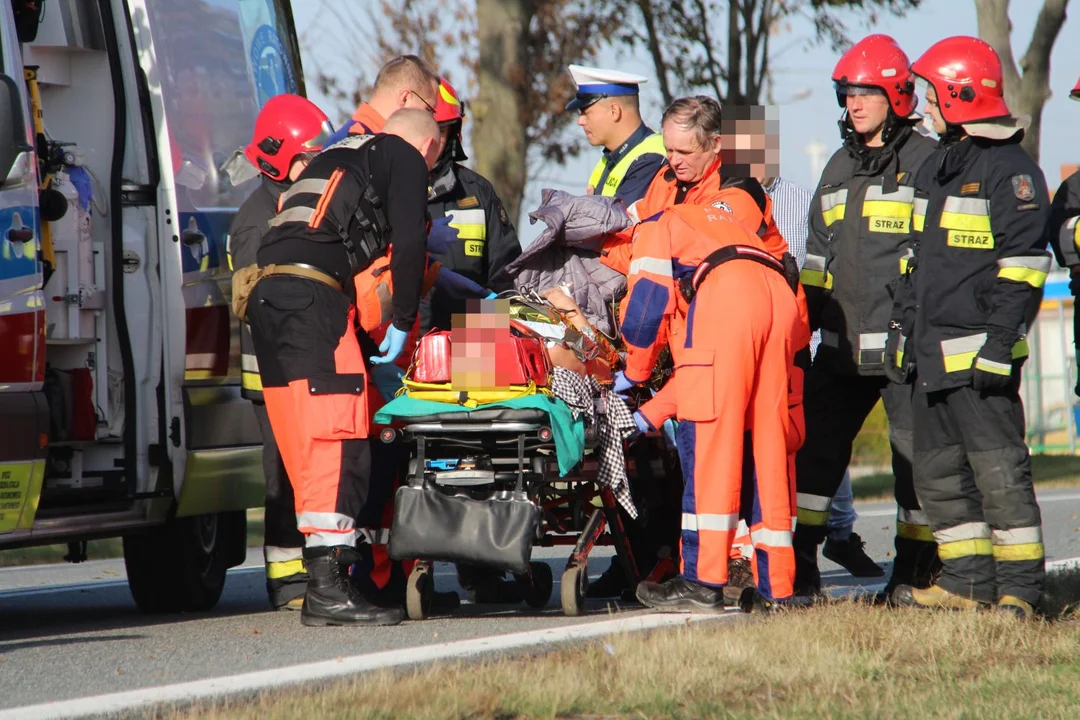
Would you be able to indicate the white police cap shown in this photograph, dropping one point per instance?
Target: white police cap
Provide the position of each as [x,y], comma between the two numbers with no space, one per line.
[595,83]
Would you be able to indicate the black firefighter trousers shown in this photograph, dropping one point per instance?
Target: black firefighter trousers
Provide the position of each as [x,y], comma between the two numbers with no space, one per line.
[973,475]
[836,407]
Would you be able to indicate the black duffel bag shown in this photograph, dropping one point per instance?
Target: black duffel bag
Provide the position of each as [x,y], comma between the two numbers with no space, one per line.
[431,524]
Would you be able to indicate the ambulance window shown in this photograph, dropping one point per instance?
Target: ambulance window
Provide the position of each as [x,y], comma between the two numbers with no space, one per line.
[219,61]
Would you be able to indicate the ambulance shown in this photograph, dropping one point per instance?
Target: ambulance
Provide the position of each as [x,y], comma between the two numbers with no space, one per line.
[120,407]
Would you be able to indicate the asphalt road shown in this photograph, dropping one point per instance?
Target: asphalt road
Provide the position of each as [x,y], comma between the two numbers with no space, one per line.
[72,631]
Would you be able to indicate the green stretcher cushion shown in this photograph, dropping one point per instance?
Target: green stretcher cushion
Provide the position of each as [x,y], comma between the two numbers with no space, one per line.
[569,434]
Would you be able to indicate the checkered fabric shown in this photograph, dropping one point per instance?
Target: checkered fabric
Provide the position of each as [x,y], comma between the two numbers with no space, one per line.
[613,422]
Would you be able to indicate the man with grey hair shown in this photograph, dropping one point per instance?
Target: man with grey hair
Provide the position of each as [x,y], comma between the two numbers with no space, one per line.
[406,81]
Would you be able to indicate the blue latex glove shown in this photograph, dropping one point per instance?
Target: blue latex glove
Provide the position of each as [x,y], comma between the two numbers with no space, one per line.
[387,378]
[391,346]
[441,237]
[621,383]
[668,429]
[642,424]
[458,286]
[492,296]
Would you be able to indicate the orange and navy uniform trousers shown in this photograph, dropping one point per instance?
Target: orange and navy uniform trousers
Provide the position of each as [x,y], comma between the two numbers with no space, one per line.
[731,383]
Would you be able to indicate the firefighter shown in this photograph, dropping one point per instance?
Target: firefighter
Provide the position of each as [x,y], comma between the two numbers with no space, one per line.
[609,113]
[486,240]
[860,235]
[332,222]
[1063,233]
[288,132]
[980,263]
[731,385]
[405,81]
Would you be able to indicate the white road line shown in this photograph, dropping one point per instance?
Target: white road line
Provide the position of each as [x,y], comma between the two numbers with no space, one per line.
[268,679]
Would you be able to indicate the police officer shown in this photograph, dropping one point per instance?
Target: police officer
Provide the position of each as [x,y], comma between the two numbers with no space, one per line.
[288,131]
[860,233]
[486,239]
[610,115]
[981,206]
[1063,232]
[332,221]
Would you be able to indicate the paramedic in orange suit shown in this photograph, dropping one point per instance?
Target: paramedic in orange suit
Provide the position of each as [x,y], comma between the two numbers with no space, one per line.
[732,386]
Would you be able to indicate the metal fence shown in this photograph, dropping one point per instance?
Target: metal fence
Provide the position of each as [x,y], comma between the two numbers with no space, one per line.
[1050,373]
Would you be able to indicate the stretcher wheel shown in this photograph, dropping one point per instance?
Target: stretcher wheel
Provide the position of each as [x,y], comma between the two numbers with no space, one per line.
[419,593]
[539,590]
[575,581]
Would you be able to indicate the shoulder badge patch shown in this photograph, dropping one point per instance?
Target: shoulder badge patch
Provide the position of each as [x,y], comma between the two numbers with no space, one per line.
[1023,187]
[721,205]
[901,176]
[971,188]
[468,202]
[502,215]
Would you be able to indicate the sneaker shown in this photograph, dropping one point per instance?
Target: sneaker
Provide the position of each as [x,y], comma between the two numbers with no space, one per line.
[849,554]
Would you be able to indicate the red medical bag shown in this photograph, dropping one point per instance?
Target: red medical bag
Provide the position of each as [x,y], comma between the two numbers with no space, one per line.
[433,358]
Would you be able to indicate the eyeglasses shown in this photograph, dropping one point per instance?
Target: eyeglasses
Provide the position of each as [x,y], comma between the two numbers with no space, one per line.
[426,103]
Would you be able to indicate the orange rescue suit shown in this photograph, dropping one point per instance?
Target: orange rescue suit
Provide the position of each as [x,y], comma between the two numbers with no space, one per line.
[732,386]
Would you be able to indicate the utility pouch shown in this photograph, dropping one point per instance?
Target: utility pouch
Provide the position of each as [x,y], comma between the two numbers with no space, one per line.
[243,282]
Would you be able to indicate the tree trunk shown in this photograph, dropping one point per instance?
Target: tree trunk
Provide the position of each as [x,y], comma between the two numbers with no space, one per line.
[499,132]
[648,17]
[1026,93]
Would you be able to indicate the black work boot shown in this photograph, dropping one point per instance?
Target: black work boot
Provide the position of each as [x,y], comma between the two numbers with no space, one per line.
[611,584]
[805,541]
[916,564]
[680,595]
[849,554]
[331,597]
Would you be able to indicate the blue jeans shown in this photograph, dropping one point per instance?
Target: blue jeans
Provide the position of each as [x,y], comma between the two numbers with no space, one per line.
[842,515]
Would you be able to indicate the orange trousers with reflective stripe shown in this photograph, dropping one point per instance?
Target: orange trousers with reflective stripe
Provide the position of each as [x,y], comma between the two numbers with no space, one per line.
[733,389]
[315,388]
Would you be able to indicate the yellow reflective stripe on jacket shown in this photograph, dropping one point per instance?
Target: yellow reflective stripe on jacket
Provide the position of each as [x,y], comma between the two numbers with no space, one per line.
[813,273]
[1031,270]
[833,206]
[959,354]
[470,224]
[918,213]
[906,260]
[888,212]
[249,373]
[967,214]
[653,144]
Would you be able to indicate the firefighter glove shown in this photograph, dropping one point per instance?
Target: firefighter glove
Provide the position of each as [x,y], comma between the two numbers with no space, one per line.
[458,286]
[993,365]
[391,346]
[441,237]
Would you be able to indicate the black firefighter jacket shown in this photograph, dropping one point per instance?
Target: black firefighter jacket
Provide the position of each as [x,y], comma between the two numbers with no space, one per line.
[245,235]
[859,241]
[980,257]
[1063,229]
[487,240]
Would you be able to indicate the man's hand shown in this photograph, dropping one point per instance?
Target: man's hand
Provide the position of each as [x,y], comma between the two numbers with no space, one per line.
[459,287]
[391,346]
[897,362]
[441,237]
[993,364]
[622,384]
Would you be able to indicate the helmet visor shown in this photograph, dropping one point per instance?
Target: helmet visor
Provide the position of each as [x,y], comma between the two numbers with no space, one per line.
[843,88]
[319,141]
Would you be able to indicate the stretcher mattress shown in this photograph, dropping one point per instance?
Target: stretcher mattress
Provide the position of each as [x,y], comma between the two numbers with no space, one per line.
[568,431]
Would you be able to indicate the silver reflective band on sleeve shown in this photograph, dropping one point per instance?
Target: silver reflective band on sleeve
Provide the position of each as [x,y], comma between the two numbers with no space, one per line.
[831,200]
[873,341]
[967,531]
[376,536]
[919,205]
[709,521]
[1070,233]
[467,217]
[772,538]
[1040,263]
[324,521]
[310,186]
[959,353]
[249,363]
[656,266]
[817,503]
[999,368]
[830,338]
[293,214]
[1017,536]
[814,262]
[912,517]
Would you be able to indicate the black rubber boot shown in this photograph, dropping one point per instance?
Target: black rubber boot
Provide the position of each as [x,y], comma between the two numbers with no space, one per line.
[849,554]
[611,584]
[680,595]
[806,540]
[331,597]
[916,564]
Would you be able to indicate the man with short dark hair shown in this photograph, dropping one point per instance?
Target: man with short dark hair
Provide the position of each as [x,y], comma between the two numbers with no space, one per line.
[406,81]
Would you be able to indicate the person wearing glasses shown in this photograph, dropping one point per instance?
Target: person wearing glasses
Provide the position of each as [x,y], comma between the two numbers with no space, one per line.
[610,116]
[406,81]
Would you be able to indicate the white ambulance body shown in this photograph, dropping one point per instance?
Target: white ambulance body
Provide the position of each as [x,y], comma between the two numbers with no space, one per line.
[120,407]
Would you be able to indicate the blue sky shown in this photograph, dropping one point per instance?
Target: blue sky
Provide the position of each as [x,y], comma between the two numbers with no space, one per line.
[805,121]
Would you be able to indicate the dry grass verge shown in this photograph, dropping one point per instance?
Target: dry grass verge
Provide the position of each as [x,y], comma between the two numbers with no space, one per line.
[842,660]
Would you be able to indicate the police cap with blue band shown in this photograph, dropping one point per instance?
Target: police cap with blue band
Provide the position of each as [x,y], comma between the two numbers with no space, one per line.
[595,83]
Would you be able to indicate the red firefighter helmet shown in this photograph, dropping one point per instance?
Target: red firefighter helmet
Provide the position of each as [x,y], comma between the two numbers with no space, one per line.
[1075,94]
[287,126]
[965,72]
[448,107]
[877,61]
